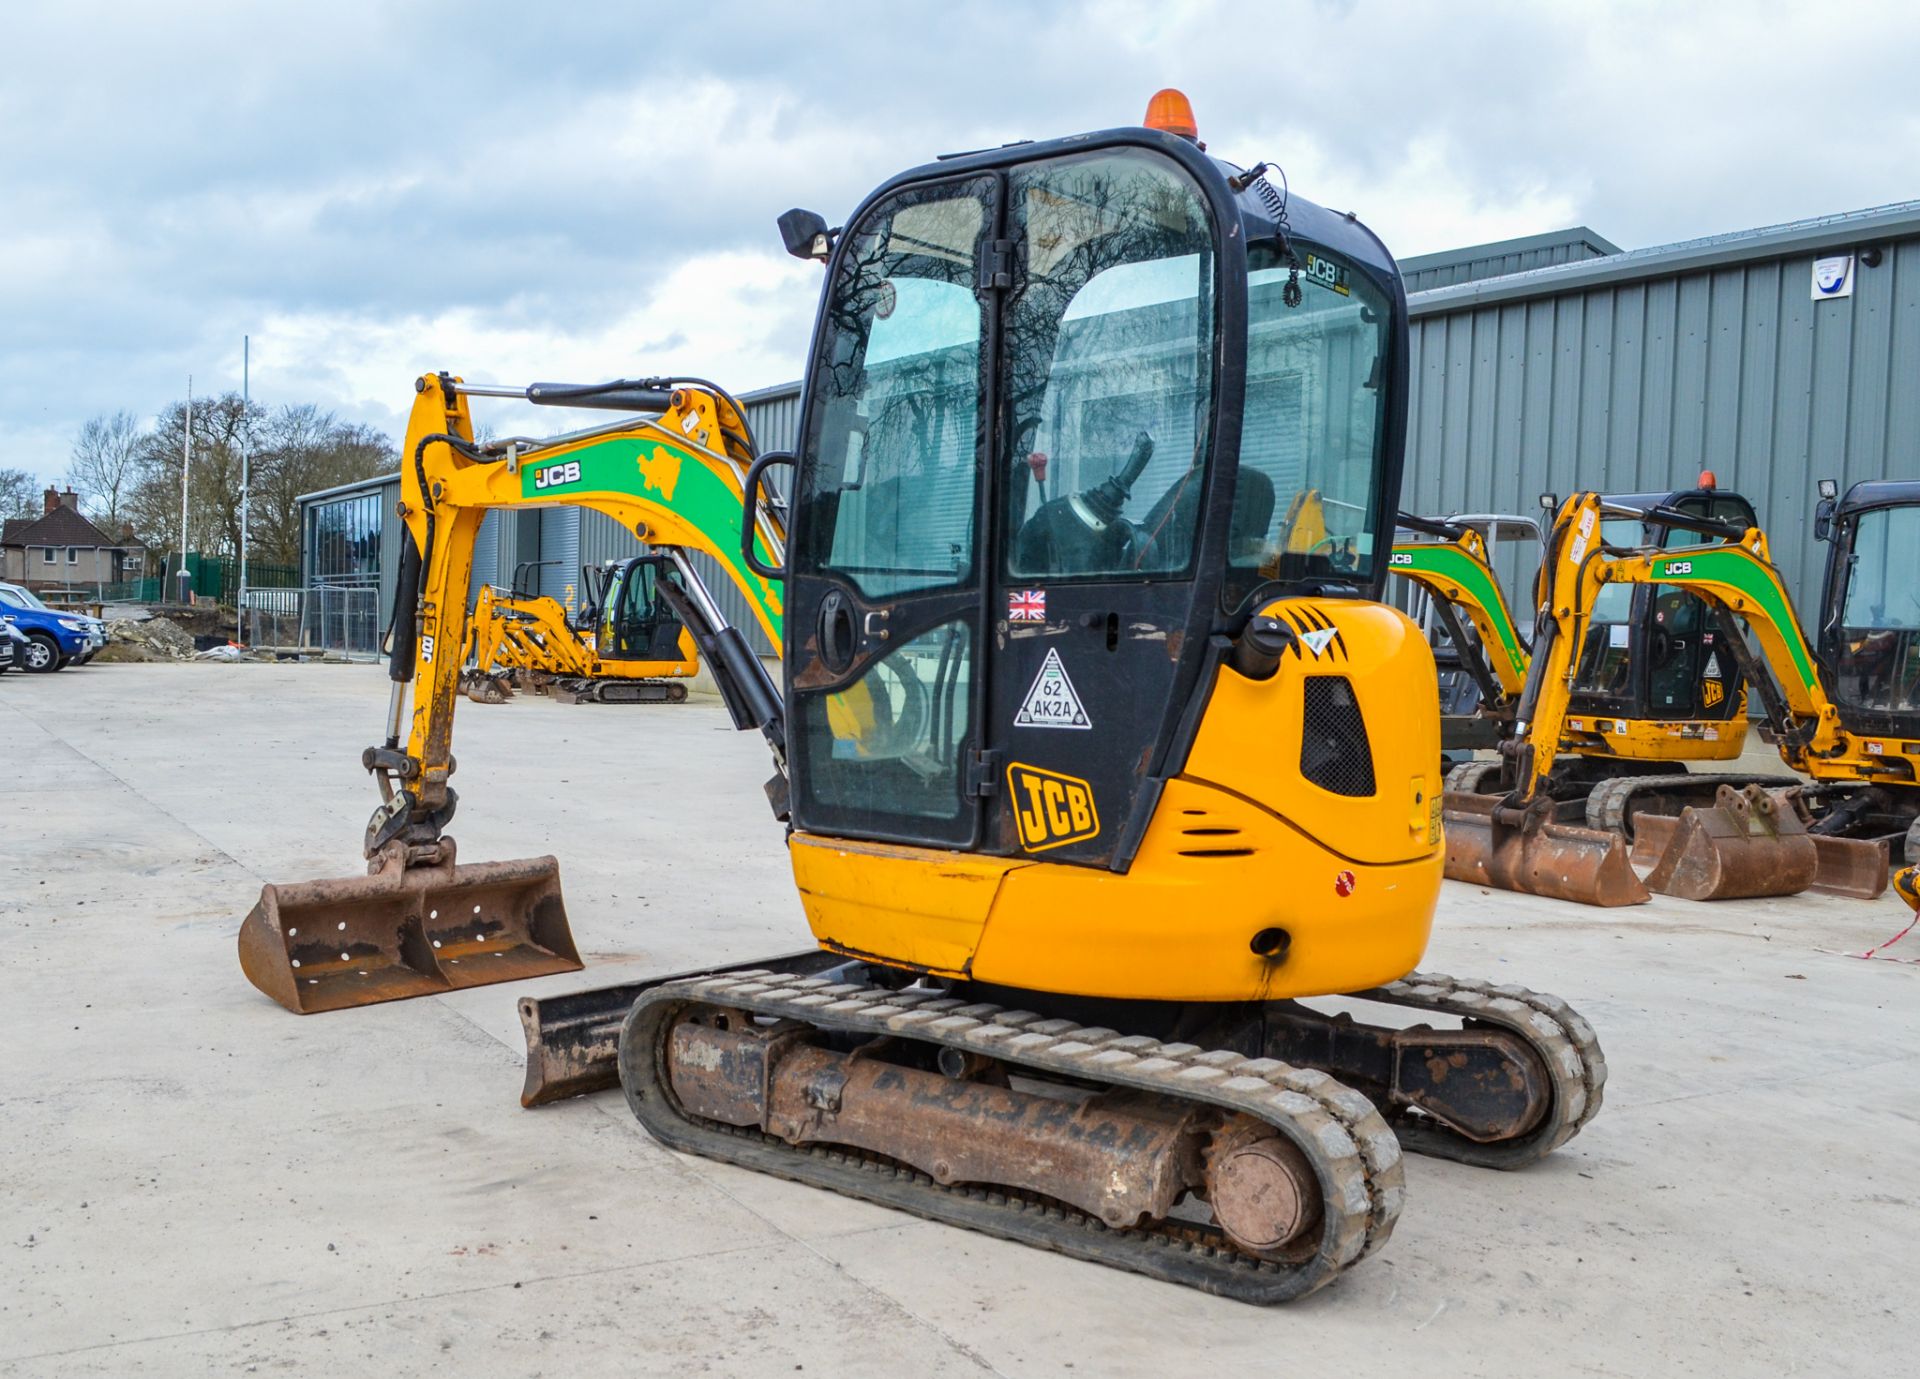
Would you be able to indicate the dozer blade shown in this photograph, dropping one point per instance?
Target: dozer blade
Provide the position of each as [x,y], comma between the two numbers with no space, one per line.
[1540,857]
[1747,843]
[573,1039]
[356,941]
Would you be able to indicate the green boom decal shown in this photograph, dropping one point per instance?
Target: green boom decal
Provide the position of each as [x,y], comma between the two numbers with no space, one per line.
[671,477]
[1739,571]
[1454,565]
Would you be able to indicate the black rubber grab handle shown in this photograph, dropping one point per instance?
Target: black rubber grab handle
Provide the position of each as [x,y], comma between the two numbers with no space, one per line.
[750,507]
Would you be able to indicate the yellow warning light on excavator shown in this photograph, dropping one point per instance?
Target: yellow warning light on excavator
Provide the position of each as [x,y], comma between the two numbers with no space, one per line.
[1172,111]
[1707,481]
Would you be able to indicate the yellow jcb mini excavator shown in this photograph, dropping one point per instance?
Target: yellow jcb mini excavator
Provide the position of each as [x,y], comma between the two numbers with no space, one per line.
[623,646]
[1702,837]
[1092,775]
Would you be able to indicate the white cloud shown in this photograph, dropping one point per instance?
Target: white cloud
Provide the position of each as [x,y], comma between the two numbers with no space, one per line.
[371,188]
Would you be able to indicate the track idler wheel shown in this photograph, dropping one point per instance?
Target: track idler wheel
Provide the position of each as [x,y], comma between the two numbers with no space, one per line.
[1262,1190]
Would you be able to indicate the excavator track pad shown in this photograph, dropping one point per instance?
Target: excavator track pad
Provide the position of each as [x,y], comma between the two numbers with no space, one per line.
[407,931]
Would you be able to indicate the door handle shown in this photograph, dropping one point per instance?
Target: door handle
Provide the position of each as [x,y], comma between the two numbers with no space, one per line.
[839,637]
[875,624]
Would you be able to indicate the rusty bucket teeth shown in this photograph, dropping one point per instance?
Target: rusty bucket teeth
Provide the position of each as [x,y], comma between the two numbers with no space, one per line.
[1587,866]
[1748,843]
[356,941]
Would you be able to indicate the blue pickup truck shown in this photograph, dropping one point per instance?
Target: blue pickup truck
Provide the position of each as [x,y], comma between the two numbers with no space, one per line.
[54,638]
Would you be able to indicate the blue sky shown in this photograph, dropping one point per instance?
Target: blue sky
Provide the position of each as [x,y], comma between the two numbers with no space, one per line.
[516,192]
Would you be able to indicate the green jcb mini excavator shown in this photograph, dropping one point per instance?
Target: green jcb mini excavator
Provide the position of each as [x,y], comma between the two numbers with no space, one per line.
[1095,773]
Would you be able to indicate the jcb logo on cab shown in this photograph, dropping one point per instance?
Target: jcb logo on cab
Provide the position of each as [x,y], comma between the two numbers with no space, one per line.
[1051,809]
[556,474]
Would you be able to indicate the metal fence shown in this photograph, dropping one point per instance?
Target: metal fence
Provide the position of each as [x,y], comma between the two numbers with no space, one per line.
[342,620]
[335,620]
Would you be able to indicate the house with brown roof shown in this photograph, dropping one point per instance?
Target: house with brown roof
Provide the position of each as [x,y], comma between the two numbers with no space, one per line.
[60,549]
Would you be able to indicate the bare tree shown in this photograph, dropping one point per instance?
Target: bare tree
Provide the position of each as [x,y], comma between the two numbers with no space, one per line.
[289,451]
[19,494]
[104,463]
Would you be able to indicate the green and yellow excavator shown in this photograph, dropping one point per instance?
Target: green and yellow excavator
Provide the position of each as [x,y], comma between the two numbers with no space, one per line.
[1096,771]
[1833,825]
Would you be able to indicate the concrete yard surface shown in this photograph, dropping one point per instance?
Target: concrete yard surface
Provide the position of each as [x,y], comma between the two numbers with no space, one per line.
[196,1181]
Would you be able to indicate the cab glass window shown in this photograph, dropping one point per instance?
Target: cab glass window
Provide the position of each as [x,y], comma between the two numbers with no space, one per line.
[1306,502]
[1876,651]
[1107,347]
[890,471]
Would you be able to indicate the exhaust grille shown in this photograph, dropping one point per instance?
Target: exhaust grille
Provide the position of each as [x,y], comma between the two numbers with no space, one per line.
[1334,752]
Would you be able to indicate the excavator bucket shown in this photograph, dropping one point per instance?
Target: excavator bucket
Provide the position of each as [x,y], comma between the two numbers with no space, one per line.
[1853,867]
[1537,857]
[1749,842]
[356,941]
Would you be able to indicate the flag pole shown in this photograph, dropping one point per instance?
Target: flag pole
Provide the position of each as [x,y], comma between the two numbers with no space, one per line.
[240,611]
[186,467]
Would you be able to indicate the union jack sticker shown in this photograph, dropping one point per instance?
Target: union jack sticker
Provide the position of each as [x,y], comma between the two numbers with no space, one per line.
[1026,605]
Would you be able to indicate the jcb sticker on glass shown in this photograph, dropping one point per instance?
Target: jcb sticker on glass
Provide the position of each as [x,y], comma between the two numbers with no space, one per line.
[556,474]
[1049,808]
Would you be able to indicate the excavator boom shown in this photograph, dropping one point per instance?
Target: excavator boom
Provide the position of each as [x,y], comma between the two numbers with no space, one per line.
[419,922]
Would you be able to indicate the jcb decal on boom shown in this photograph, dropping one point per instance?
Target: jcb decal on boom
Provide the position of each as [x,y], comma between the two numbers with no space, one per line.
[1051,809]
[556,474]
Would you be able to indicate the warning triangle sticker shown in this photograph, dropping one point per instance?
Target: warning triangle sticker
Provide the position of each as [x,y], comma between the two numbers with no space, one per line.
[1712,672]
[1052,703]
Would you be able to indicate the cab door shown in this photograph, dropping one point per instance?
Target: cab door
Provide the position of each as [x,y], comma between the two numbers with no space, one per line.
[1099,593]
[997,590]
[885,564]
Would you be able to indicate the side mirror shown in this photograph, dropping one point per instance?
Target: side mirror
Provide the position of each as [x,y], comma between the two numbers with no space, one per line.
[1823,520]
[806,235]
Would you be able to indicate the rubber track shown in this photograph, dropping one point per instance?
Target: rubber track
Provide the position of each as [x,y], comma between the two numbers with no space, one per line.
[1354,1150]
[1471,777]
[1564,1041]
[1608,805]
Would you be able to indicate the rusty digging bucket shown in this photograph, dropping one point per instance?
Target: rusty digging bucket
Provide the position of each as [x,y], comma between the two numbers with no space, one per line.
[1749,842]
[1538,857]
[1752,842]
[359,940]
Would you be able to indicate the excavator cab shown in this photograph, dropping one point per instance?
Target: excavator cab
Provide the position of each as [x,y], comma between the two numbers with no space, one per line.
[1653,682]
[1869,640]
[1076,413]
[631,621]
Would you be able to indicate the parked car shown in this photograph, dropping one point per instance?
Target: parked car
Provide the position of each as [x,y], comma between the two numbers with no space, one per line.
[13,644]
[54,638]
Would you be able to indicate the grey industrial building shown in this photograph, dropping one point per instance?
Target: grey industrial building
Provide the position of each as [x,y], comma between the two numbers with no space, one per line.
[1774,357]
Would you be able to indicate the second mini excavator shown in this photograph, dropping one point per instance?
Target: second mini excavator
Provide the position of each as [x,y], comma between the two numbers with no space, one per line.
[1095,774]
[1700,836]
[624,645]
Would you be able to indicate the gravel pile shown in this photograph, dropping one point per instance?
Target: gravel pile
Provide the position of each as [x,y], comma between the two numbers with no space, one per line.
[148,639]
